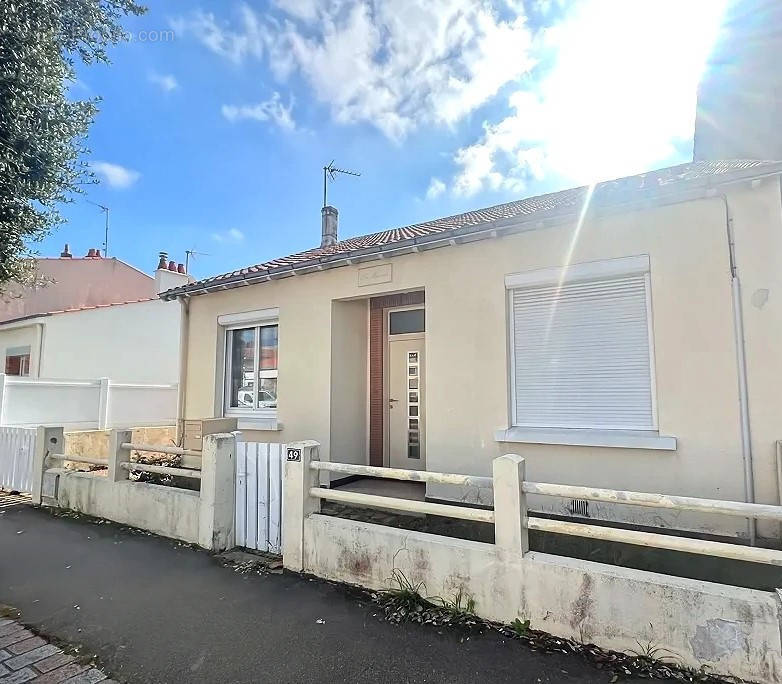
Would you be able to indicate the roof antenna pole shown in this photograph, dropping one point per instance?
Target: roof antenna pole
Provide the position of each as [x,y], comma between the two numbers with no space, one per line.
[192,254]
[331,171]
[105,210]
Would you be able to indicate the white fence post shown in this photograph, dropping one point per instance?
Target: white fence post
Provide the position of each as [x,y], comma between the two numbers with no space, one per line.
[103,404]
[3,377]
[218,481]
[118,455]
[297,502]
[48,440]
[510,505]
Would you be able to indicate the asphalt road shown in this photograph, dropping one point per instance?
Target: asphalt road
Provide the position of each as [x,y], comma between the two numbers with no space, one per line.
[156,611]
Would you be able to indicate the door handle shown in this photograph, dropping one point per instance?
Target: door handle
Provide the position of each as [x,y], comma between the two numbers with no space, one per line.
[391,403]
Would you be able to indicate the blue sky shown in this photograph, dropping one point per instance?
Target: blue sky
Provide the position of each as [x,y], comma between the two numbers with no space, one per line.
[217,117]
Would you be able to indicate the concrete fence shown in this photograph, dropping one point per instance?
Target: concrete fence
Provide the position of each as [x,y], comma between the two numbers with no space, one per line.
[204,517]
[730,630]
[84,404]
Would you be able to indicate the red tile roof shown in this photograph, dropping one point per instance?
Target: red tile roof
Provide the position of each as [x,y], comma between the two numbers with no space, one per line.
[539,207]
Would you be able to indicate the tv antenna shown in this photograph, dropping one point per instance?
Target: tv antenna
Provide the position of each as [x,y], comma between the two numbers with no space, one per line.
[192,254]
[105,210]
[331,171]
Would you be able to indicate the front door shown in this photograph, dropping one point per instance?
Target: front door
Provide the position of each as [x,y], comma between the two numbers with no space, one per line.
[407,420]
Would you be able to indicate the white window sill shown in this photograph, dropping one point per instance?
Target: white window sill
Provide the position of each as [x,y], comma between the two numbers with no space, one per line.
[627,439]
[270,424]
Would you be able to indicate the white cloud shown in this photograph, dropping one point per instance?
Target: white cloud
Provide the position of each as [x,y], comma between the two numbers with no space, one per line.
[614,103]
[233,44]
[115,175]
[270,110]
[233,235]
[435,189]
[166,82]
[392,65]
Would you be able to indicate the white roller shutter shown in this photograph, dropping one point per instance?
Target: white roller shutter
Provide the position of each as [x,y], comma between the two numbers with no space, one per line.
[581,354]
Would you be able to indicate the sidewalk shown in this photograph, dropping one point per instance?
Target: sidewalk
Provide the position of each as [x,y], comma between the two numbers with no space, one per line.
[153,610]
[25,657]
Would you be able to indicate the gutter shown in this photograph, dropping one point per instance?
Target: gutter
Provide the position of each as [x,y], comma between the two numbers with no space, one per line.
[489,229]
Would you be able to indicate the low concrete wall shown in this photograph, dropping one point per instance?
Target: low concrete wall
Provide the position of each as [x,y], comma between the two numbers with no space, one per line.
[204,517]
[732,631]
[163,510]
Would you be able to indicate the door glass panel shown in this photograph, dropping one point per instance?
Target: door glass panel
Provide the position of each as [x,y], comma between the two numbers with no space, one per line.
[242,351]
[401,322]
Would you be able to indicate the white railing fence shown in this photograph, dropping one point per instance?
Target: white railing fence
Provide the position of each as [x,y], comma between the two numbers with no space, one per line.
[204,516]
[510,507]
[84,404]
[612,606]
[17,448]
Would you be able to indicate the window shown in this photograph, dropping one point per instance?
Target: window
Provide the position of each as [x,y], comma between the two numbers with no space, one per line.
[251,369]
[17,361]
[407,321]
[581,350]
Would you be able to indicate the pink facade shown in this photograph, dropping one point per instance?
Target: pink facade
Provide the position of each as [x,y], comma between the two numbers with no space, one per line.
[77,282]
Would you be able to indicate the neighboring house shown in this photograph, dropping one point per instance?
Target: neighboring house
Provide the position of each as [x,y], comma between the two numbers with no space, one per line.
[593,331]
[70,282]
[740,93]
[55,359]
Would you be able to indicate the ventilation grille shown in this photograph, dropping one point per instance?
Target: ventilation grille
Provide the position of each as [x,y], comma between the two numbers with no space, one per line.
[579,507]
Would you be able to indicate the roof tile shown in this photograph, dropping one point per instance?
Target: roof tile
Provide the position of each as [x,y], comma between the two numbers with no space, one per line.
[542,206]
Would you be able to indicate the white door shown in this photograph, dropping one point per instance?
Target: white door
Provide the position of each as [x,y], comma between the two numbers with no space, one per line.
[406,419]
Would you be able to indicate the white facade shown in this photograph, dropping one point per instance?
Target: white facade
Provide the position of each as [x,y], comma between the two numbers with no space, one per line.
[136,342]
[95,368]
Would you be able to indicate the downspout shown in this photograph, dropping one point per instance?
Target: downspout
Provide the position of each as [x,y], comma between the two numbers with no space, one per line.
[39,340]
[184,325]
[741,364]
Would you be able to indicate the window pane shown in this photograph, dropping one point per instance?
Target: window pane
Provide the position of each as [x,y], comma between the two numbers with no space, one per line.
[268,348]
[267,393]
[242,354]
[17,365]
[401,322]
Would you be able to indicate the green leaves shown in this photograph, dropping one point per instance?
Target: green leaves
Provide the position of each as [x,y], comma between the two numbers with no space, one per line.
[42,131]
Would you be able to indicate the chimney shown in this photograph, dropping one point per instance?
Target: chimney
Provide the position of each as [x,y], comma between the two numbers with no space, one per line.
[170,274]
[330,217]
[66,253]
[91,252]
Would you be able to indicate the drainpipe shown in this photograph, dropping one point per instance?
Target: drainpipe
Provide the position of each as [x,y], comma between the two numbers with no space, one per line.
[39,344]
[184,324]
[741,364]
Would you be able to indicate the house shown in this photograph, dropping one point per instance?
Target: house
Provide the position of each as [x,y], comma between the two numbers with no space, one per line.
[96,331]
[624,335]
[740,93]
[70,282]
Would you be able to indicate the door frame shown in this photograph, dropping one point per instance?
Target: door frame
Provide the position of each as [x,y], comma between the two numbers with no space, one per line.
[386,370]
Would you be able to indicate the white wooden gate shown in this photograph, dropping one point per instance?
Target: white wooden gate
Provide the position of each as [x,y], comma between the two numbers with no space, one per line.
[259,495]
[17,446]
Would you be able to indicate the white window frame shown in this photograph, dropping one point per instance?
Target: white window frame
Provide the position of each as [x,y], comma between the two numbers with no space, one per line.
[24,366]
[624,266]
[263,318]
